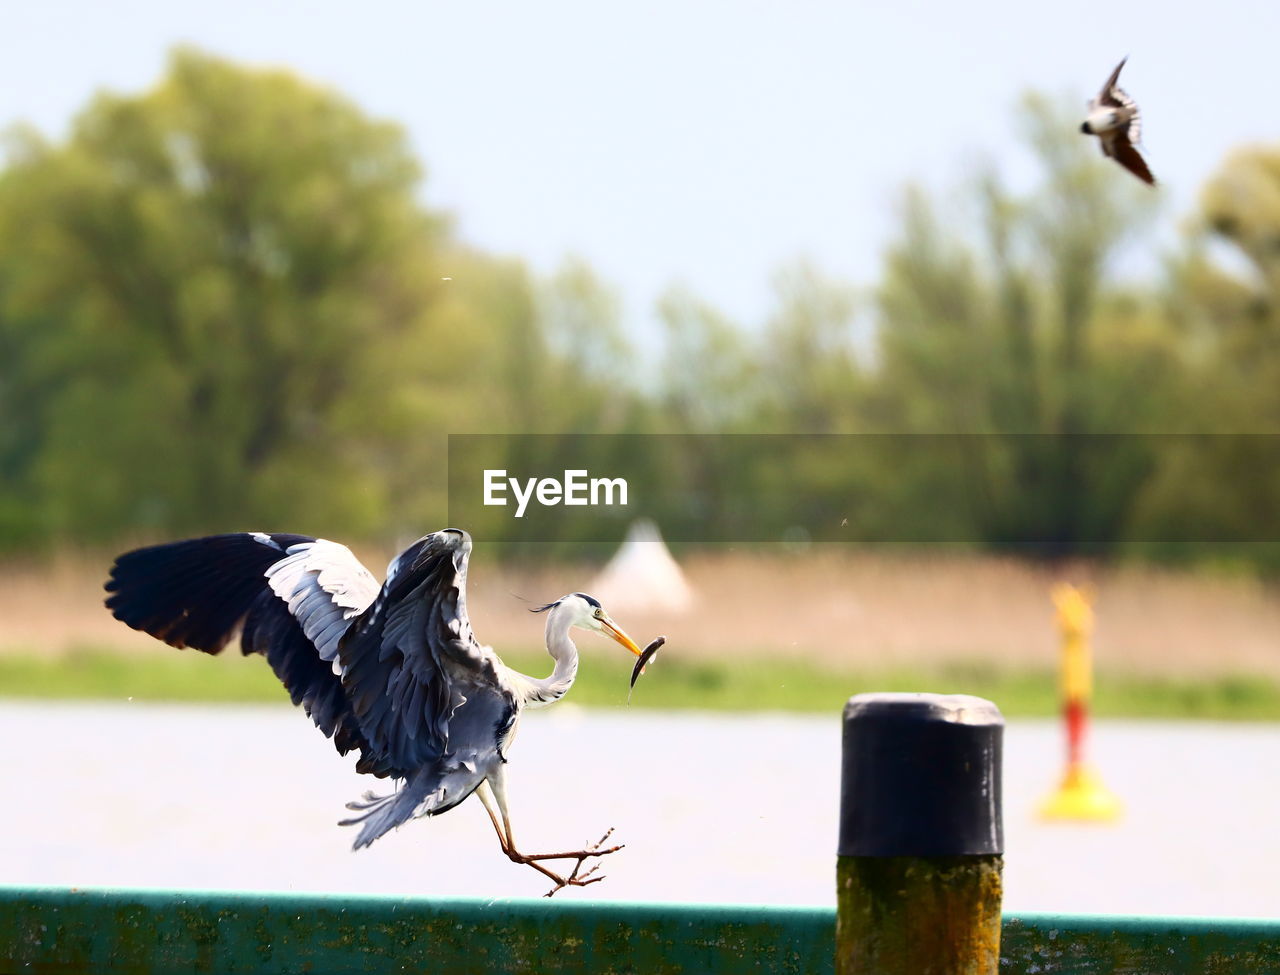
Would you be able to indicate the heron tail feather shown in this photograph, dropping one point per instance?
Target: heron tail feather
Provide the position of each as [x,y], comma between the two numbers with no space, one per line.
[427,793]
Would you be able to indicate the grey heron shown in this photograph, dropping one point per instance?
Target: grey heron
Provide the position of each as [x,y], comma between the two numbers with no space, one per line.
[392,672]
[1114,118]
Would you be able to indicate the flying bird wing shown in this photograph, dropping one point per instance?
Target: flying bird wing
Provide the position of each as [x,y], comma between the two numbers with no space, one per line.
[424,691]
[1122,150]
[289,597]
[1107,96]
[1128,110]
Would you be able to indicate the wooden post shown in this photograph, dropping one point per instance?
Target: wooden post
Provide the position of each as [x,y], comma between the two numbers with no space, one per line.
[921,836]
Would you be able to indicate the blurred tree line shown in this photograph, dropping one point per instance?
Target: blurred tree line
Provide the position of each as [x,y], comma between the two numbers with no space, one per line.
[223,305]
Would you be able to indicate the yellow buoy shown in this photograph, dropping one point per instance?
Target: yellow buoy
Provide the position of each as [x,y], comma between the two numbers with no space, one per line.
[1081,796]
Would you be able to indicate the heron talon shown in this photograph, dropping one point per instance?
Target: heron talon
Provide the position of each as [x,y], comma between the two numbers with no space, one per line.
[573,880]
[593,850]
[577,877]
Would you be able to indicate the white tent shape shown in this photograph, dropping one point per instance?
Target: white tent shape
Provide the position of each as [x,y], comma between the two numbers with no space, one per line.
[642,575]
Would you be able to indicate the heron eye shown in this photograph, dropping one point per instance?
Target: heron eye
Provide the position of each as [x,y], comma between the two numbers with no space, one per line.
[599,614]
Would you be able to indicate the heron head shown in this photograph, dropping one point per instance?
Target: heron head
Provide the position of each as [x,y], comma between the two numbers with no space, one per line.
[587,613]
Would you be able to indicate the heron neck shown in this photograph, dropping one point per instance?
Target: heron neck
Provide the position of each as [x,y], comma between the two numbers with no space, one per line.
[564,652]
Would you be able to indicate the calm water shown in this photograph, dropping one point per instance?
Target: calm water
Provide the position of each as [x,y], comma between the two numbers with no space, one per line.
[711,807]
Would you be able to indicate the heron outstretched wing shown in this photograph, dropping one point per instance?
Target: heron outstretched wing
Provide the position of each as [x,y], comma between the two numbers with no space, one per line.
[393,671]
[289,596]
[419,683]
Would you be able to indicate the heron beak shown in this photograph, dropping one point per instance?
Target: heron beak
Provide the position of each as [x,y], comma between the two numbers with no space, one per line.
[615,632]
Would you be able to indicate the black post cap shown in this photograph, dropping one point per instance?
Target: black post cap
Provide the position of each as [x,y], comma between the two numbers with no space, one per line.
[921,776]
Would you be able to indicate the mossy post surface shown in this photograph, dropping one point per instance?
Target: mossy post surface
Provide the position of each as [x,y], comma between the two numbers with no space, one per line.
[921,836]
[927,915]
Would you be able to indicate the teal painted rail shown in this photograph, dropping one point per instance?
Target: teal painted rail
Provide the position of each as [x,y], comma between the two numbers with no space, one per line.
[130,932]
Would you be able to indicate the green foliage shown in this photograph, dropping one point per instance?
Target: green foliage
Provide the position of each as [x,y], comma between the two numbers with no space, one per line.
[1009,329]
[710,373]
[222,305]
[798,374]
[812,378]
[222,291]
[1227,485]
[583,384]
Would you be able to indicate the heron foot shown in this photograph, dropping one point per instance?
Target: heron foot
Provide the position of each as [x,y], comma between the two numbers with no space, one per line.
[576,877]
[594,850]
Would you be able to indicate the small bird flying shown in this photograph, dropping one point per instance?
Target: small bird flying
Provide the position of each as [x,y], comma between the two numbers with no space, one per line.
[392,672]
[1114,118]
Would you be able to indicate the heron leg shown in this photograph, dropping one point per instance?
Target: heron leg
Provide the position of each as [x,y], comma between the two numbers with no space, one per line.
[493,792]
[486,798]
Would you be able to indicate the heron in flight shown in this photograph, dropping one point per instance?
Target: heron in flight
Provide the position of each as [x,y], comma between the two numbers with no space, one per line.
[392,672]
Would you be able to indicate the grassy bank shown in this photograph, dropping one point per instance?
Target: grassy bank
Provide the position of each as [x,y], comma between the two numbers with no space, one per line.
[753,684]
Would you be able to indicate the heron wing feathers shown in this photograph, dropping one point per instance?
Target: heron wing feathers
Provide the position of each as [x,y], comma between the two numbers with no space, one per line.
[428,792]
[194,593]
[269,629]
[394,672]
[324,585]
[287,595]
[421,686]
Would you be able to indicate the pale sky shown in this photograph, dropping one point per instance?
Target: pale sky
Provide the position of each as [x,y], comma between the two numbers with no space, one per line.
[702,143]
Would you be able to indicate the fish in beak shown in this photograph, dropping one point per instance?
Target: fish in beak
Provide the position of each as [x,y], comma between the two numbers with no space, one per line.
[649,652]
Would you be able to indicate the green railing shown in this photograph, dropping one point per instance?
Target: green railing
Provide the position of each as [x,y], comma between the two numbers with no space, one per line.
[113,932]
